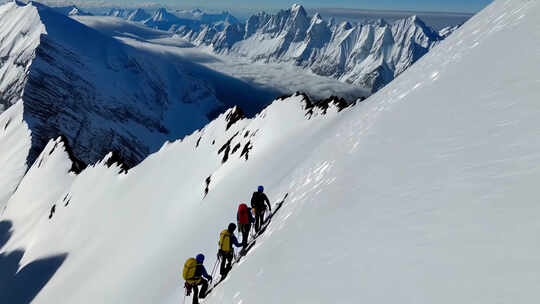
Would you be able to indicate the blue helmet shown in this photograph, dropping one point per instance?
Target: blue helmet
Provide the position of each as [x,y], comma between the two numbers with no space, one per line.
[199,258]
[260,189]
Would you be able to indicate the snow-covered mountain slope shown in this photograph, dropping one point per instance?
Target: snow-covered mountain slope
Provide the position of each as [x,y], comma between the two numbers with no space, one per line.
[15,143]
[99,93]
[424,193]
[138,15]
[370,55]
[163,20]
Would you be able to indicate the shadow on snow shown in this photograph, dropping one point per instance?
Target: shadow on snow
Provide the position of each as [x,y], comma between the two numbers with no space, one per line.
[21,285]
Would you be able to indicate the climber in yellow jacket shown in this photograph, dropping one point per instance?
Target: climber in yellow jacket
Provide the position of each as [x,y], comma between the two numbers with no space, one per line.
[226,241]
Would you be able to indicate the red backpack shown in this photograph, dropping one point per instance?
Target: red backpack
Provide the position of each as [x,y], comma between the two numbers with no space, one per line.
[243,214]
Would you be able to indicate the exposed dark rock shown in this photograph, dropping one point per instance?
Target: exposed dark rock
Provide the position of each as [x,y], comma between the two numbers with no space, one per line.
[53,210]
[7,124]
[207,181]
[116,158]
[236,148]
[233,116]
[77,165]
[246,149]
[226,148]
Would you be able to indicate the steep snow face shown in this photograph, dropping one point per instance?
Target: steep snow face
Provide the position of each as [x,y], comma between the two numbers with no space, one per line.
[20,33]
[424,193]
[370,55]
[15,143]
[100,94]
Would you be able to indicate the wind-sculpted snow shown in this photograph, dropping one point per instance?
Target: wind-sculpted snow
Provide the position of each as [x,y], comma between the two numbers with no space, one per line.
[424,193]
[369,55]
[99,93]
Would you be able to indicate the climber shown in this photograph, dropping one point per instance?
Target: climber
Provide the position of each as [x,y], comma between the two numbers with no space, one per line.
[193,274]
[226,252]
[258,201]
[244,219]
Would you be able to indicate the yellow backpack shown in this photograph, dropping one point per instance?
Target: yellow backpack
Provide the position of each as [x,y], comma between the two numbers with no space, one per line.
[225,241]
[190,267]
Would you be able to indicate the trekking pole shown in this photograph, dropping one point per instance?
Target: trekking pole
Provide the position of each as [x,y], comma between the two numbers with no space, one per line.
[215,264]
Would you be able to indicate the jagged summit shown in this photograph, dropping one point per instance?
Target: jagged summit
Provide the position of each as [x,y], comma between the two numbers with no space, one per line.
[368,55]
[298,9]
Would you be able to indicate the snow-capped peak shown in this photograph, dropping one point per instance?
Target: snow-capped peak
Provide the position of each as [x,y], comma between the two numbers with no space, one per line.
[160,14]
[369,55]
[298,9]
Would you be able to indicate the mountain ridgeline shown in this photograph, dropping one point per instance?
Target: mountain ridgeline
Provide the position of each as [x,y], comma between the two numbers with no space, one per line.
[369,55]
[96,92]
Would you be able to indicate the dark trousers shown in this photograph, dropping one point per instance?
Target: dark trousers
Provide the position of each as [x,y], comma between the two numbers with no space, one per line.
[244,229]
[202,293]
[259,218]
[226,261]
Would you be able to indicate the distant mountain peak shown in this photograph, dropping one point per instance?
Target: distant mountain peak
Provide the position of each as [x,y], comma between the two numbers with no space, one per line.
[369,54]
[297,8]
[317,16]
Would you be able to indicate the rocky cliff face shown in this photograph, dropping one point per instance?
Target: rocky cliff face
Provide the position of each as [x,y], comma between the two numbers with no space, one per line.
[369,55]
[99,94]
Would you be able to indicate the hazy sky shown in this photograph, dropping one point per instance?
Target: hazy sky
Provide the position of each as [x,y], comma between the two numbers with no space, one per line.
[415,5]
